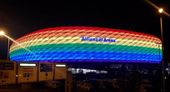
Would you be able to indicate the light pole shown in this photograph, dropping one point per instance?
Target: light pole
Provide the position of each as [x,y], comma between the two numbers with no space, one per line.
[160,10]
[2,33]
[8,49]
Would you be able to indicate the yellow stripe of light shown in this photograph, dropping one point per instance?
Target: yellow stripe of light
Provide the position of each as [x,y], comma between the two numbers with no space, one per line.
[61,40]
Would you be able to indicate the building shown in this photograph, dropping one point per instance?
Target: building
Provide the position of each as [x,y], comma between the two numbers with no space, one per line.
[86,44]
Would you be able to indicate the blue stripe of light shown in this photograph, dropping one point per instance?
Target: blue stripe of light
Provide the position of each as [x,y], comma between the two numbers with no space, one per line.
[87,55]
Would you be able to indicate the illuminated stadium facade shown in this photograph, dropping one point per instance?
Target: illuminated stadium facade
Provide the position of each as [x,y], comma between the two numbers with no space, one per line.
[87,44]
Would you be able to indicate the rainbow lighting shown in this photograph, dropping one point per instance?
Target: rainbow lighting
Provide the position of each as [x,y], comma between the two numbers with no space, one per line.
[87,44]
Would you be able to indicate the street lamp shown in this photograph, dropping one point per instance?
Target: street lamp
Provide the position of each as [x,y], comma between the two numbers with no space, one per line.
[2,33]
[161,11]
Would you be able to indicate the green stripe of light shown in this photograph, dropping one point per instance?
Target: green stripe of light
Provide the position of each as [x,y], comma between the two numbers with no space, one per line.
[87,47]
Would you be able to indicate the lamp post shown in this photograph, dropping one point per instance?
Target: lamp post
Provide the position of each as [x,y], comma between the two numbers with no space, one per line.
[160,10]
[8,49]
[2,33]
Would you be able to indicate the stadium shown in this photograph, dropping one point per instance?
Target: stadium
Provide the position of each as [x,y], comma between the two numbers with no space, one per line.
[86,44]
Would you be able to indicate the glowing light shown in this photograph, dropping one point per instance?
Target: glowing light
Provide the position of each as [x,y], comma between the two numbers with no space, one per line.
[2,33]
[160,10]
[64,44]
[60,65]
[85,71]
[27,64]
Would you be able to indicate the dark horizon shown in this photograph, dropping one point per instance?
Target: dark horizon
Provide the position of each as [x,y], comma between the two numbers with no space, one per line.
[21,17]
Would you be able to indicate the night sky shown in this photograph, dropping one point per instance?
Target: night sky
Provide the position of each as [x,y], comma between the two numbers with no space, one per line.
[18,17]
